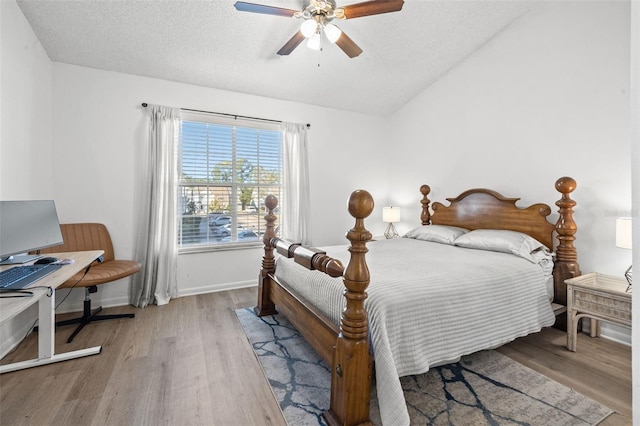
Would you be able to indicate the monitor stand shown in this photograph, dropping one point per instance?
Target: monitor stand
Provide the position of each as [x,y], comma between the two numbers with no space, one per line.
[20,258]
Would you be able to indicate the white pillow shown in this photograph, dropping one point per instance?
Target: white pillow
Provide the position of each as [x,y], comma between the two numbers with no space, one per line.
[436,233]
[504,241]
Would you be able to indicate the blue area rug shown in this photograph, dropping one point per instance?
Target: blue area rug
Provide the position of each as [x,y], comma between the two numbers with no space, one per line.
[485,388]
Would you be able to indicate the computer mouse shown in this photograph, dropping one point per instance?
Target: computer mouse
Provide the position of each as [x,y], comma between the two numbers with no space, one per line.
[45,260]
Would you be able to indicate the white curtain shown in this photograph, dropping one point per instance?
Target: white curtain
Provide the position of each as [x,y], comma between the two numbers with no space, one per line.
[296,205]
[156,245]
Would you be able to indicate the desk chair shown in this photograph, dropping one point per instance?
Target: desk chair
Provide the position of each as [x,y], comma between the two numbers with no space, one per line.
[92,236]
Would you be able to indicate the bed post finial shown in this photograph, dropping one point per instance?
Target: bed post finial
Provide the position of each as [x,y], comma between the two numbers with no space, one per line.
[265,304]
[425,216]
[566,264]
[352,364]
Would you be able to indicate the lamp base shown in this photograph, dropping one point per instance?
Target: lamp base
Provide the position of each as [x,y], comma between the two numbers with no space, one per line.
[391,231]
[627,275]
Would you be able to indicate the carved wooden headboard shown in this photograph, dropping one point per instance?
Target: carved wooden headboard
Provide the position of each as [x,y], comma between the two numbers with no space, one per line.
[486,209]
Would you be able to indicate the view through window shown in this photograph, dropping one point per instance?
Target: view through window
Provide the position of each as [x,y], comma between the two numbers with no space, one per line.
[227,167]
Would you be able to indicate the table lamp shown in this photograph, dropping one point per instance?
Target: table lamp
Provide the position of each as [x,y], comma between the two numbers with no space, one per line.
[391,215]
[623,240]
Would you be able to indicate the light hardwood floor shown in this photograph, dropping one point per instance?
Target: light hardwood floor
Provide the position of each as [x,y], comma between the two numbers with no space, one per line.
[189,363]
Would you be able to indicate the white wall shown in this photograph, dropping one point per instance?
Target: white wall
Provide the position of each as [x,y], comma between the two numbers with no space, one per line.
[547,98]
[98,124]
[25,129]
[25,105]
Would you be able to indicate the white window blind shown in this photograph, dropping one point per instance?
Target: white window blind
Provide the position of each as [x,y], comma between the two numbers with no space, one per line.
[227,167]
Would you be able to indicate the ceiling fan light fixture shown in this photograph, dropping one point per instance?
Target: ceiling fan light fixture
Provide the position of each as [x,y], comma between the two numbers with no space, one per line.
[308,28]
[314,42]
[317,15]
[332,32]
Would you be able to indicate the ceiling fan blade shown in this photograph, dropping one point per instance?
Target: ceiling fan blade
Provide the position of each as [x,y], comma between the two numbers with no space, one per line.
[291,44]
[373,7]
[261,8]
[348,46]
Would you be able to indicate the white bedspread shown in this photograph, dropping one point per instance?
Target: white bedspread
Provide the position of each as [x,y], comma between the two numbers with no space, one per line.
[430,304]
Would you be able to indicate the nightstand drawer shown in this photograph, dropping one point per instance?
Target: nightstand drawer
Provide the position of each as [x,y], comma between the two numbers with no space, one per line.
[601,303]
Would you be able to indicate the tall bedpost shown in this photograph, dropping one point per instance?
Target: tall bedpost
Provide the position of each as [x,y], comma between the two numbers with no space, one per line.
[265,304]
[566,264]
[425,216]
[352,362]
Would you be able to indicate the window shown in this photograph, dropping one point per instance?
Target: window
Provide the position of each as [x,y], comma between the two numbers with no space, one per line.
[227,167]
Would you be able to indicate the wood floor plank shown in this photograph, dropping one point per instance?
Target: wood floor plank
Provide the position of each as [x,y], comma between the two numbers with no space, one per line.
[236,367]
[52,390]
[585,370]
[189,363]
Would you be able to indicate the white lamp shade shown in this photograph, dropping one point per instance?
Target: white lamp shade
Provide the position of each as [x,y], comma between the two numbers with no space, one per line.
[314,41]
[391,214]
[332,32]
[308,28]
[623,232]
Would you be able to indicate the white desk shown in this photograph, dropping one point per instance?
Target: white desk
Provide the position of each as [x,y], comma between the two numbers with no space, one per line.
[10,307]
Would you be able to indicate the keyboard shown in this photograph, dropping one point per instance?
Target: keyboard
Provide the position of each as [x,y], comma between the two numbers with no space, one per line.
[20,277]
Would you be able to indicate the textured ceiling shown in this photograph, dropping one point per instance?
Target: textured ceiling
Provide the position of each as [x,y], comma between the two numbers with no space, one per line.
[209,43]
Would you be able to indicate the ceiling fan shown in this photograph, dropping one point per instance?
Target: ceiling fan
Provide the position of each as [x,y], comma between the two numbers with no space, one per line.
[318,15]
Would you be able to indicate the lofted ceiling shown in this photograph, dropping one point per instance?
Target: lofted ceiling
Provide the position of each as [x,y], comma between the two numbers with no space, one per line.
[209,43]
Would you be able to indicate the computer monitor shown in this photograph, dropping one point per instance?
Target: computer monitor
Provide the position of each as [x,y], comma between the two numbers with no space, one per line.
[27,226]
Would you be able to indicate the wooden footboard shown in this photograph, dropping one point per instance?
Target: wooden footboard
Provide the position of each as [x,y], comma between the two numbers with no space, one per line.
[346,348]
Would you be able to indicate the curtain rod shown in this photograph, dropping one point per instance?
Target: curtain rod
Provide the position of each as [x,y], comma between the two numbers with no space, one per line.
[144,104]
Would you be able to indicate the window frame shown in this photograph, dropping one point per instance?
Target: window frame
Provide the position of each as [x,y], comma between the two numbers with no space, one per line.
[234,184]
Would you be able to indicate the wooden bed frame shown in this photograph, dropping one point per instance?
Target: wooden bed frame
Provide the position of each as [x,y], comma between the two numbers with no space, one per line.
[346,347]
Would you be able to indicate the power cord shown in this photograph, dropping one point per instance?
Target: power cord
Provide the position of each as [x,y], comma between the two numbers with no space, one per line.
[73,286]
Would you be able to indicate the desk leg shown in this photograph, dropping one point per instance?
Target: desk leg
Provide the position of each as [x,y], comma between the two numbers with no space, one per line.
[46,340]
[46,326]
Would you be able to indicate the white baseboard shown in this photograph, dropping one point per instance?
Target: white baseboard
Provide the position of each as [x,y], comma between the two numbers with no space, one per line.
[215,288]
[77,304]
[615,333]
[610,331]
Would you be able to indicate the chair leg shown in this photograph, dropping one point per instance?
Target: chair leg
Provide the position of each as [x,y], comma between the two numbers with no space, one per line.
[88,316]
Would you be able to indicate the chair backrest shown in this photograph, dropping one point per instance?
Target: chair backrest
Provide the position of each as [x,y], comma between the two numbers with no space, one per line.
[82,237]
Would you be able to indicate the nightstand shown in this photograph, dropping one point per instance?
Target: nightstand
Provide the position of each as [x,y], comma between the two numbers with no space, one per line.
[598,297]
